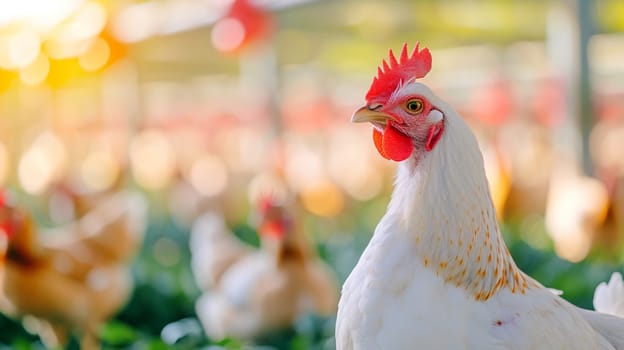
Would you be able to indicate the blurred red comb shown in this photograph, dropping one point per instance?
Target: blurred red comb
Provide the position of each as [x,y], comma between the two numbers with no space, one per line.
[407,67]
[266,201]
[6,226]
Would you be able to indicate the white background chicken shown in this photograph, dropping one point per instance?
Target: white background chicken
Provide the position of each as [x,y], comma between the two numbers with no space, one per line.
[248,293]
[436,273]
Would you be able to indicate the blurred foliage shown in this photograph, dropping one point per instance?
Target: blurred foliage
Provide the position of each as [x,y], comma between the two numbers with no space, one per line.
[160,314]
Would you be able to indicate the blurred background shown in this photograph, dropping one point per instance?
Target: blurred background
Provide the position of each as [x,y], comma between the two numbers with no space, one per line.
[198,105]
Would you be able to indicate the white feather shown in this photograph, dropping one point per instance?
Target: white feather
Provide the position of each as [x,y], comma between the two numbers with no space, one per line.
[609,297]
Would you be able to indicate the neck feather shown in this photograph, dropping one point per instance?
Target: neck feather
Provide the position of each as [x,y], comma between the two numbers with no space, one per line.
[442,198]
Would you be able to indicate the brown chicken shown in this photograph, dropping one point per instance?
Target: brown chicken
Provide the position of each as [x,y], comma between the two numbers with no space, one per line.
[270,288]
[71,200]
[72,280]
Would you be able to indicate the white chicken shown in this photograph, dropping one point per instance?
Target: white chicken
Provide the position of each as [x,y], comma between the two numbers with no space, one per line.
[214,249]
[270,288]
[436,273]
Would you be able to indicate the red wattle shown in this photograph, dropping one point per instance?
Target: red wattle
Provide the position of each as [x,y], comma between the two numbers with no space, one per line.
[393,144]
[378,139]
[272,229]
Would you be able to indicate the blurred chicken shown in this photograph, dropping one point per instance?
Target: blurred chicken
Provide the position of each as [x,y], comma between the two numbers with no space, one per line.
[586,212]
[530,164]
[529,149]
[70,200]
[72,280]
[5,230]
[270,288]
[606,141]
[214,249]
[576,210]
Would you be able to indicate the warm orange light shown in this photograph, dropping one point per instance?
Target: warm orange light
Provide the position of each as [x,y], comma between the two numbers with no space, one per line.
[6,79]
[96,56]
[323,198]
[63,72]
[36,72]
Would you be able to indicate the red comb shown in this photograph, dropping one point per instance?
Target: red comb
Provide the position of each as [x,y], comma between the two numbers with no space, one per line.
[265,202]
[6,226]
[407,67]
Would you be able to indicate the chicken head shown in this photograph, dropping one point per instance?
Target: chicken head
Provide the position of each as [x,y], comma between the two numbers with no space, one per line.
[405,114]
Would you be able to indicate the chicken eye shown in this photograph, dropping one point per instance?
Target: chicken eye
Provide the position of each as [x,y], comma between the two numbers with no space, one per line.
[414,106]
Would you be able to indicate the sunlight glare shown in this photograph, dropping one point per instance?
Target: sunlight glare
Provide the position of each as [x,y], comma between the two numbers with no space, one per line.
[24,47]
[42,163]
[86,23]
[36,71]
[96,55]
[42,15]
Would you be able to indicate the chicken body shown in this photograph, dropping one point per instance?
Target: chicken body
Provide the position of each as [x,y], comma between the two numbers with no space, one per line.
[437,273]
[258,296]
[268,289]
[214,249]
[74,281]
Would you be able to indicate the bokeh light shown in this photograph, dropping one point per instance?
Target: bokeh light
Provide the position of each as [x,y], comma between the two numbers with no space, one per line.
[99,170]
[209,175]
[36,72]
[42,163]
[323,198]
[152,159]
[228,34]
[23,48]
[96,56]
[87,22]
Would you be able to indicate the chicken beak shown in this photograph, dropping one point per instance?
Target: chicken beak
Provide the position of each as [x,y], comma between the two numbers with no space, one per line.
[372,114]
